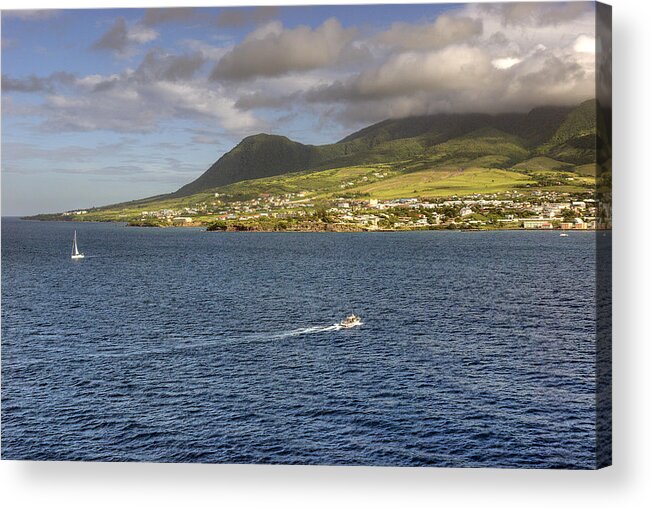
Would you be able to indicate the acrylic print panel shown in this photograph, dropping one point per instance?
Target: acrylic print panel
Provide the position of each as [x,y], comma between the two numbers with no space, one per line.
[341,235]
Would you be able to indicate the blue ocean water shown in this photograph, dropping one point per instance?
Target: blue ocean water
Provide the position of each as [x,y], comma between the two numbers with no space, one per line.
[180,345]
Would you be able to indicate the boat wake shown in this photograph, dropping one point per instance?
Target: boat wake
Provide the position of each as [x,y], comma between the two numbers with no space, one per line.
[306,330]
[182,343]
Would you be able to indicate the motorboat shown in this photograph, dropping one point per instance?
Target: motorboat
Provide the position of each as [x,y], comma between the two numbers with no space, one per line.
[563,235]
[350,321]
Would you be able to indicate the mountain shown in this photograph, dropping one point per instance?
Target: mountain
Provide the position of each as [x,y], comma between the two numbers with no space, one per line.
[563,133]
[262,155]
[575,139]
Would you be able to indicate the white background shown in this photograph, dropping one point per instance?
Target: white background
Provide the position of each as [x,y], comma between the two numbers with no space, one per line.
[626,484]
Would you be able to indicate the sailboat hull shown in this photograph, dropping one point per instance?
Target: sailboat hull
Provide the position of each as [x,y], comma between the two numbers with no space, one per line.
[77,257]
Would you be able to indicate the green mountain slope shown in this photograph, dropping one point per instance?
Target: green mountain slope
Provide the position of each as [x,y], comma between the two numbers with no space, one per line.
[545,150]
[497,139]
[575,139]
[258,156]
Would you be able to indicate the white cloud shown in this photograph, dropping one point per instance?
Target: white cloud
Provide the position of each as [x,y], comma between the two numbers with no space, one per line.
[141,34]
[505,63]
[585,44]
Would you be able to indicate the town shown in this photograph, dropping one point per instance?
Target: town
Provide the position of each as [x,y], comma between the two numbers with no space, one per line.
[543,210]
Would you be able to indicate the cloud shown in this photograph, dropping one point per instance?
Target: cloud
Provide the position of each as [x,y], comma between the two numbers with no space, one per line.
[126,158]
[116,170]
[273,50]
[585,44]
[505,63]
[121,38]
[260,99]
[30,14]
[159,66]
[540,14]
[68,153]
[161,15]
[550,80]
[161,89]
[446,30]
[452,68]
[206,137]
[28,84]
[475,58]
[35,83]
[519,59]
[236,17]
[208,51]
[130,105]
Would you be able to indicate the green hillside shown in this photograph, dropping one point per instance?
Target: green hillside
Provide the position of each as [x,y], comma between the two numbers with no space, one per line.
[443,183]
[548,150]
[575,139]
[257,156]
[505,139]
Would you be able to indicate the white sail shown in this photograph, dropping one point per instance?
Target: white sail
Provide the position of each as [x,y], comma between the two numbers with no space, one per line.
[75,250]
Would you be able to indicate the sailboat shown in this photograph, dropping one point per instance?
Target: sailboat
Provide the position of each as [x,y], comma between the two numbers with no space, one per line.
[76,255]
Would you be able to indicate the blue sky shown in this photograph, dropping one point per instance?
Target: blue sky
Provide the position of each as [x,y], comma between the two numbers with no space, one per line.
[108,105]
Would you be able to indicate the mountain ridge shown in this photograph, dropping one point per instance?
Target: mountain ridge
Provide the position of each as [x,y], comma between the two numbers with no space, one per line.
[564,133]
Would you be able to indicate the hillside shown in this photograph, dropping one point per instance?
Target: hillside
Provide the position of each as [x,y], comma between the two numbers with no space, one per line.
[262,155]
[546,154]
[575,139]
[265,155]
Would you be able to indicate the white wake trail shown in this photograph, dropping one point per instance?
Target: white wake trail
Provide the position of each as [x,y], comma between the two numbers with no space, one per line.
[306,330]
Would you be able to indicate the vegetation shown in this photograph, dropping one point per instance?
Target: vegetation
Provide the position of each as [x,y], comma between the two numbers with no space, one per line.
[430,157]
[575,139]
[501,140]
[217,226]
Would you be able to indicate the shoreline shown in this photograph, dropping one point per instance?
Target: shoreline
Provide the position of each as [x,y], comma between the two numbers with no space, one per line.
[321,228]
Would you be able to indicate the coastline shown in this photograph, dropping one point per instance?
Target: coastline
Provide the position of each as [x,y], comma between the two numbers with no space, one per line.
[313,228]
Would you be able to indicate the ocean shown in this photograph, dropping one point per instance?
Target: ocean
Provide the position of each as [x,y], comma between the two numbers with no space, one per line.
[477,349]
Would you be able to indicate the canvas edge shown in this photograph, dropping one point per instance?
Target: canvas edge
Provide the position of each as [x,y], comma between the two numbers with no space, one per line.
[603,93]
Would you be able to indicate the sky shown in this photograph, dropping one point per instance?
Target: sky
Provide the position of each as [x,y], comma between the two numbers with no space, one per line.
[107,105]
